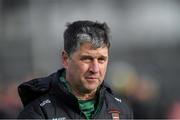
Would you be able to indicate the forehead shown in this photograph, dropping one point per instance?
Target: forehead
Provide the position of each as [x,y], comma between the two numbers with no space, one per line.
[87,49]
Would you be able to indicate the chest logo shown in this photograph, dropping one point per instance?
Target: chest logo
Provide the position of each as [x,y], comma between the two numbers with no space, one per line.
[119,100]
[60,118]
[45,102]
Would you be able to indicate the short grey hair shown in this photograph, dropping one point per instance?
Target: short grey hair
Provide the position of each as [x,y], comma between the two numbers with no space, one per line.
[98,34]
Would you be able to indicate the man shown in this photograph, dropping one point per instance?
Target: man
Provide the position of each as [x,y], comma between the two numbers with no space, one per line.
[77,91]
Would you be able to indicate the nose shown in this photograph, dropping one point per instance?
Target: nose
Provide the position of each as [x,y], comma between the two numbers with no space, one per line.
[94,67]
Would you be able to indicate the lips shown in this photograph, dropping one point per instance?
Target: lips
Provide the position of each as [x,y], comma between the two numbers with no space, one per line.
[91,78]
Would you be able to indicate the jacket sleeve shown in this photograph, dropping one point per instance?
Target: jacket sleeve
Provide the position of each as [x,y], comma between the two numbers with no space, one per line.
[31,111]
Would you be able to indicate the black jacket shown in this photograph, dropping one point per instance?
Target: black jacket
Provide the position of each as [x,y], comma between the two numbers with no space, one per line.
[44,98]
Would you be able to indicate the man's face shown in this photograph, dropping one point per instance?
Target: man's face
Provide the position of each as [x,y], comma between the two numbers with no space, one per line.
[86,67]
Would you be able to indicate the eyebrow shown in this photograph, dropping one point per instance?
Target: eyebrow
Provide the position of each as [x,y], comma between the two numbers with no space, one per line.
[89,56]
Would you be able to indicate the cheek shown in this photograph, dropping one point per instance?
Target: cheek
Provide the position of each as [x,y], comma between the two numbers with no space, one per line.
[80,68]
[103,69]
[83,68]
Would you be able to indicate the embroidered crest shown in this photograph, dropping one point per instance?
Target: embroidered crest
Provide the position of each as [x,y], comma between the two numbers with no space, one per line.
[115,114]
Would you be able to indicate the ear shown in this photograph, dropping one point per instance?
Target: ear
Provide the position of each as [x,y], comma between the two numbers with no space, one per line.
[65,58]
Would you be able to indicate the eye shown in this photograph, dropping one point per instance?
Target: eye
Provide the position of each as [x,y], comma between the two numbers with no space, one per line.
[102,59]
[86,59]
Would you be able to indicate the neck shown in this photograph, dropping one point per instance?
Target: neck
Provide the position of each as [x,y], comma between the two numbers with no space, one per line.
[84,96]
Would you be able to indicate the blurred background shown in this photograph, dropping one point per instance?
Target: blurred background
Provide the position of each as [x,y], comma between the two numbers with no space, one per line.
[144,66]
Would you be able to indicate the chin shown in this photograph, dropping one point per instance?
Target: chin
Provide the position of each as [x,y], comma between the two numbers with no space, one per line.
[92,88]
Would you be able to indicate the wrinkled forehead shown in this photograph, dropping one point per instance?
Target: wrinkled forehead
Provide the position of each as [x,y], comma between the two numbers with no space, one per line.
[86,47]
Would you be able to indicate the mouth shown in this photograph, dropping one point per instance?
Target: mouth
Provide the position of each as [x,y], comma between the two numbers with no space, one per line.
[91,79]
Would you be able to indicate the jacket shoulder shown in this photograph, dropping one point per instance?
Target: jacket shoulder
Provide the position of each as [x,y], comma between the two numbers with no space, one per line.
[37,108]
[33,89]
[32,110]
